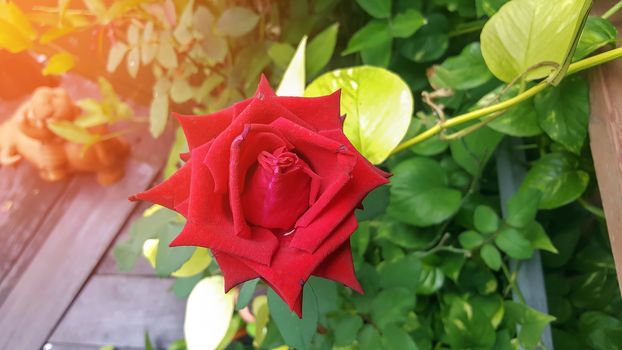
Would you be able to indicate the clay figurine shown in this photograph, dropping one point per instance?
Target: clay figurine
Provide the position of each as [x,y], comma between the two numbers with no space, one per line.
[26,135]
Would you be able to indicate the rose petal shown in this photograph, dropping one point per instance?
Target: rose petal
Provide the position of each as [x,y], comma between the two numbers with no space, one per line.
[234,271]
[291,267]
[340,268]
[171,193]
[200,129]
[257,112]
[321,112]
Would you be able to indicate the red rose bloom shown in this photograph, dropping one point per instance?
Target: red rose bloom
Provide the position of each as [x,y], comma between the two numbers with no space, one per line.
[270,186]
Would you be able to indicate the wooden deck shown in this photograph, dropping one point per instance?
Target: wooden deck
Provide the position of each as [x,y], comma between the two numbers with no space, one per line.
[59,286]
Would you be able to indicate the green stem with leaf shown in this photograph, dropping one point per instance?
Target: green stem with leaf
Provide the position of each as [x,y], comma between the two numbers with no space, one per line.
[501,106]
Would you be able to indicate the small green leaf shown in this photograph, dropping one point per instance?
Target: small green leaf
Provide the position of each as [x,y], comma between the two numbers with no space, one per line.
[430,42]
[523,207]
[431,280]
[345,328]
[246,293]
[520,120]
[402,272]
[148,344]
[597,33]
[470,239]
[170,259]
[558,177]
[371,35]
[396,338]
[320,50]
[535,233]
[491,257]
[378,55]
[281,54]
[378,106]
[369,338]
[262,316]
[237,21]
[296,332]
[563,112]
[406,23]
[391,306]
[473,151]
[532,322]
[485,219]
[465,71]
[467,327]
[514,244]
[419,193]
[294,81]
[184,286]
[376,8]
[525,33]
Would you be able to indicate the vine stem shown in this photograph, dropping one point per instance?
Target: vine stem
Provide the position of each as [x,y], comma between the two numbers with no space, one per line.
[615,8]
[470,116]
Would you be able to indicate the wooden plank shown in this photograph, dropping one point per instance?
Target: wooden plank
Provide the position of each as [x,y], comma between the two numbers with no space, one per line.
[117,310]
[75,245]
[530,277]
[25,200]
[606,144]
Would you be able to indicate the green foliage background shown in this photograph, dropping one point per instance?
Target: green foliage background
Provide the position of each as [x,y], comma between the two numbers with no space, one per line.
[433,249]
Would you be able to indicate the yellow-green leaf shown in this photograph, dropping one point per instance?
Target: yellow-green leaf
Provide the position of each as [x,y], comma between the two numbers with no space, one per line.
[377,103]
[527,33]
[262,316]
[158,111]
[166,55]
[59,63]
[71,132]
[293,82]
[133,61]
[11,39]
[208,314]
[55,33]
[14,15]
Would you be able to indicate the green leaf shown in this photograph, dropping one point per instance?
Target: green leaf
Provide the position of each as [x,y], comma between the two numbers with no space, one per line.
[465,71]
[396,338]
[345,328]
[373,34]
[520,120]
[376,8]
[72,132]
[491,305]
[597,33]
[485,219]
[296,332]
[532,322]
[374,204]
[208,307]
[535,233]
[514,244]
[558,177]
[392,306]
[596,327]
[402,272]
[491,256]
[246,293]
[237,21]
[431,280]
[470,239]
[378,55]
[148,344]
[403,235]
[473,151]
[467,327]
[281,54]
[563,112]
[321,49]
[369,338]
[294,81]
[430,42]
[523,207]
[525,33]
[406,23]
[419,193]
[183,286]
[262,316]
[170,259]
[431,146]
[378,106]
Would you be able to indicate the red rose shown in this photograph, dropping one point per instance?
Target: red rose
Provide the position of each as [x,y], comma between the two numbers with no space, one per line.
[271,185]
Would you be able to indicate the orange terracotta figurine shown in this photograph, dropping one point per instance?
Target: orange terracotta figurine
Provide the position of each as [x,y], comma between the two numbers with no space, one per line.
[26,135]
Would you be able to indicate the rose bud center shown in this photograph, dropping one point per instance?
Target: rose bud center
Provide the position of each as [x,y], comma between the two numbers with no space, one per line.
[277,190]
